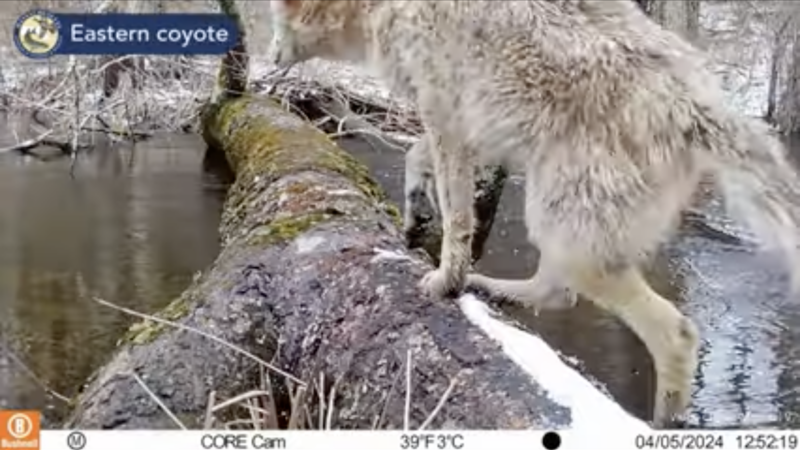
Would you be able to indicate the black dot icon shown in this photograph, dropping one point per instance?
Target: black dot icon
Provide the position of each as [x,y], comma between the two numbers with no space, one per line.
[551,440]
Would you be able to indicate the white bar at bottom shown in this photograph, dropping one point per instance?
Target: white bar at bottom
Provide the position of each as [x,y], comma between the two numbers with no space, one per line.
[398,440]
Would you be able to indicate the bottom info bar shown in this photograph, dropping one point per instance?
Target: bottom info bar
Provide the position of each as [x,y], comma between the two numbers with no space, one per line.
[398,440]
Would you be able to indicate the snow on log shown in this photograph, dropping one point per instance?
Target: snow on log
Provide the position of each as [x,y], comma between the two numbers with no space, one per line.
[315,277]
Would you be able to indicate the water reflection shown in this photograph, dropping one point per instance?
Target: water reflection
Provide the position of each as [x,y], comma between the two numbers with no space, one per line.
[133,226]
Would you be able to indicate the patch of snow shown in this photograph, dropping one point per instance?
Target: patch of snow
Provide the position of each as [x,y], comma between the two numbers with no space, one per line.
[13,77]
[283,198]
[356,80]
[308,244]
[389,255]
[592,411]
[403,138]
[343,192]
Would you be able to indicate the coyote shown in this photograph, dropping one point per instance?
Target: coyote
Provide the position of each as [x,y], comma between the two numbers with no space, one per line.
[613,120]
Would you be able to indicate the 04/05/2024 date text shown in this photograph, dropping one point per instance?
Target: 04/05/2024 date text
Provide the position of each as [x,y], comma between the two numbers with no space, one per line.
[776,440]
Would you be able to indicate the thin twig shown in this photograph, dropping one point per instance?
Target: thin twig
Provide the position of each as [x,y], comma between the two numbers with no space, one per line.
[28,371]
[298,404]
[255,413]
[209,419]
[238,399]
[266,381]
[28,144]
[439,405]
[321,396]
[379,419]
[76,129]
[158,401]
[331,398]
[216,339]
[407,409]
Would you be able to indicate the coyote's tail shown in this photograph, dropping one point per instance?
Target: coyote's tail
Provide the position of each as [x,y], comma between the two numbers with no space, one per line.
[760,187]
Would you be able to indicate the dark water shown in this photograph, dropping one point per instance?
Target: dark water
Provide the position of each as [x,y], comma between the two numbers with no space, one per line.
[134,227]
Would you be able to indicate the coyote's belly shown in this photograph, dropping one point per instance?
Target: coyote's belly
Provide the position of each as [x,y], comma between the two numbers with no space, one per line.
[605,210]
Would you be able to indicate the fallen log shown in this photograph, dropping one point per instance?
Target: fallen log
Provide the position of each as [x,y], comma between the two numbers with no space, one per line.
[314,276]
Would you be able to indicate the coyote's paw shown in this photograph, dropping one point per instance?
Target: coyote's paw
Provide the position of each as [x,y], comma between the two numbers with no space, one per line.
[440,283]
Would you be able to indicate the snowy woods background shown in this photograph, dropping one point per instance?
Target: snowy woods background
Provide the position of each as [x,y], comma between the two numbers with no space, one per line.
[752,44]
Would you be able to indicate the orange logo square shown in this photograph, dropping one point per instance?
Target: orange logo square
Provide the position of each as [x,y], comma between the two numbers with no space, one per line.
[19,429]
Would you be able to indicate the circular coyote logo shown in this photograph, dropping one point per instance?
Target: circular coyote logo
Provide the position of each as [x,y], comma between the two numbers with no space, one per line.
[37,34]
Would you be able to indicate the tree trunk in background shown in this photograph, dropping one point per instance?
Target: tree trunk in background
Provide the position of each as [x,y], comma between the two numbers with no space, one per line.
[645,5]
[788,111]
[693,20]
[776,64]
[681,16]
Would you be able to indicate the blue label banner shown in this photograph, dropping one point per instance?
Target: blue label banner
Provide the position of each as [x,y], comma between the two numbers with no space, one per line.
[41,34]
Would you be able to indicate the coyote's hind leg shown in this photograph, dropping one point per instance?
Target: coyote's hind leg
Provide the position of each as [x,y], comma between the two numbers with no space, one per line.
[670,337]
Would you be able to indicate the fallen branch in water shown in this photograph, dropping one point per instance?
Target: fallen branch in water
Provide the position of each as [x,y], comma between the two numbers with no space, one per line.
[42,140]
[350,123]
[132,134]
[8,350]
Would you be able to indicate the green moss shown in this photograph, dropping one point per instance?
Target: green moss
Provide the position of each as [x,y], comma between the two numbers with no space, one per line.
[147,330]
[285,229]
[272,151]
[394,212]
[345,164]
[261,142]
[229,111]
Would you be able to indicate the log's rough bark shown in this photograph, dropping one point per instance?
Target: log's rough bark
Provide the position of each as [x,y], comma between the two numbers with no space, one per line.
[313,275]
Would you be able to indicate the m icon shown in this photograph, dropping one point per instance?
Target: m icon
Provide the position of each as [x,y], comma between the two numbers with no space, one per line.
[76,440]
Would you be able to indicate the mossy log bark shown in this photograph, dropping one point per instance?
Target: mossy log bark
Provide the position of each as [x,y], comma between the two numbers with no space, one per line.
[314,275]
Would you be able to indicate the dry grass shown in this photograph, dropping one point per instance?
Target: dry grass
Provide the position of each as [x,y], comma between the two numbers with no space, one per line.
[258,409]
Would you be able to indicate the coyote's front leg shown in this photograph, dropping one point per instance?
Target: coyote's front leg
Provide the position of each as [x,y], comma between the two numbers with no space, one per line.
[421,203]
[454,174]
